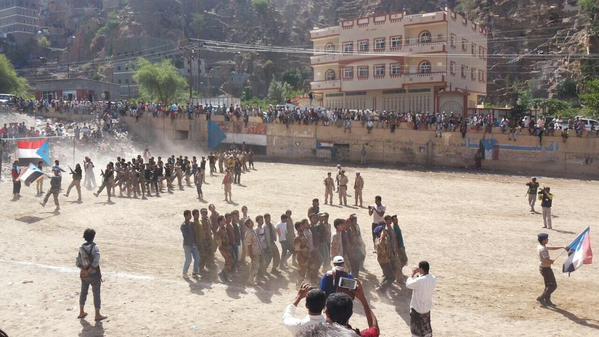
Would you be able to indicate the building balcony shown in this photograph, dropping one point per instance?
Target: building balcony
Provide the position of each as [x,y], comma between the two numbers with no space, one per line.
[325,58]
[388,81]
[326,85]
[324,32]
[430,47]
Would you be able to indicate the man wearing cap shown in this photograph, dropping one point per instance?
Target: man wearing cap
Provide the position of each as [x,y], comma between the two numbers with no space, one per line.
[545,269]
[533,186]
[329,283]
[358,186]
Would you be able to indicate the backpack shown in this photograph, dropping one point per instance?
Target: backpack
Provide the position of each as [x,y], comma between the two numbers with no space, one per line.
[84,262]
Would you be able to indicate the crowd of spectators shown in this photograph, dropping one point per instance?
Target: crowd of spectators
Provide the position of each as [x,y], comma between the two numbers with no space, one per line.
[346,118]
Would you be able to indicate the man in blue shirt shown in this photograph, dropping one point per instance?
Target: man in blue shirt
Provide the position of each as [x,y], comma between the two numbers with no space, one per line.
[330,281]
[190,246]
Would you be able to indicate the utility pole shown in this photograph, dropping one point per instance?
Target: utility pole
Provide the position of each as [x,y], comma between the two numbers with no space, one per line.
[191,54]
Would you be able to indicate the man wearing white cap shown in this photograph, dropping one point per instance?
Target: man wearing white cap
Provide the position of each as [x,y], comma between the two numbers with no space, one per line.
[329,283]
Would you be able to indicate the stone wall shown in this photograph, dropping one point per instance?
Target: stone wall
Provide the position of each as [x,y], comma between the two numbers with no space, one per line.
[577,157]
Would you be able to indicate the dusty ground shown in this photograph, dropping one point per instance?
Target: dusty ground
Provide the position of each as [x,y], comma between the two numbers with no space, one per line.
[474,229]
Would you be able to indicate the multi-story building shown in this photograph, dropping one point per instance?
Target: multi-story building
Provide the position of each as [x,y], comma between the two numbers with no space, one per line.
[434,62]
[19,17]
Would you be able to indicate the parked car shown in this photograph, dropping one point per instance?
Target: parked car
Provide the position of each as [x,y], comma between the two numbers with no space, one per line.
[6,98]
[589,124]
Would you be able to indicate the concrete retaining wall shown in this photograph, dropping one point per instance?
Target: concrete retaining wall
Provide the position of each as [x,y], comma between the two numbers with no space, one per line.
[577,157]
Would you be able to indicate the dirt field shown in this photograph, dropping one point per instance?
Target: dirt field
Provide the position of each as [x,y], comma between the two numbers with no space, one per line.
[474,229]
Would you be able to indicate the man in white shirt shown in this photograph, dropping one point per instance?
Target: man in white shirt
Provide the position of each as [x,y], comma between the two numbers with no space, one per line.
[422,284]
[285,244]
[378,214]
[315,302]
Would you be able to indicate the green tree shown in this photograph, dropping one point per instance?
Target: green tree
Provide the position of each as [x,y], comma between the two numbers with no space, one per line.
[43,42]
[278,92]
[590,97]
[567,90]
[10,82]
[261,5]
[159,81]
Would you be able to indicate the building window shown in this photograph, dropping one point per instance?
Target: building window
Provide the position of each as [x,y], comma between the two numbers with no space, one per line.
[118,68]
[452,39]
[396,42]
[363,45]
[329,47]
[329,75]
[425,37]
[348,47]
[424,67]
[463,71]
[473,74]
[480,75]
[362,72]
[120,82]
[464,43]
[481,51]
[379,71]
[379,44]
[395,69]
[348,73]
[127,81]
[473,49]
[452,67]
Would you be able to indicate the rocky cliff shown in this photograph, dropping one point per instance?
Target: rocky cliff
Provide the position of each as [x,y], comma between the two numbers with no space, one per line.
[534,44]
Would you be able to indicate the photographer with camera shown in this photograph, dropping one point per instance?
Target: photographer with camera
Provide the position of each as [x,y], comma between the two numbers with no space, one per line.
[378,212]
[422,284]
[339,309]
[315,301]
[337,279]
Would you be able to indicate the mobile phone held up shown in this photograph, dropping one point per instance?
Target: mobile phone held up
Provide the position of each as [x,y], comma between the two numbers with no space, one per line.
[348,283]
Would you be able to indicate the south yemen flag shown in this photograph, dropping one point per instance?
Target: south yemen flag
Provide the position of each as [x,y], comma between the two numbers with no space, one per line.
[30,175]
[579,252]
[33,151]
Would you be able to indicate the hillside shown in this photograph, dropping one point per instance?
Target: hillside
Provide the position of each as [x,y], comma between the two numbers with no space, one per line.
[533,44]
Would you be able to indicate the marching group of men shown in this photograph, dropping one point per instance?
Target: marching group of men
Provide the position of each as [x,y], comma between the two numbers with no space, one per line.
[144,176]
[310,243]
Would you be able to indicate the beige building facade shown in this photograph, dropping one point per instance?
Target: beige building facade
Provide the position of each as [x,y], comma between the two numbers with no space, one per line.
[423,63]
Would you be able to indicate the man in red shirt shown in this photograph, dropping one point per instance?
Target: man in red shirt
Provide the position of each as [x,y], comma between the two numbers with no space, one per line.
[339,309]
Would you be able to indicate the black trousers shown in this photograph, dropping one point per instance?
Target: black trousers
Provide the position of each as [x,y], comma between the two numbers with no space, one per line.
[550,282]
[16,187]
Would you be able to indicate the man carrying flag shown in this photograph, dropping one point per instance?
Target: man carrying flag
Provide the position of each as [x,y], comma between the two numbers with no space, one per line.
[545,269]
[30,175]
[579,252]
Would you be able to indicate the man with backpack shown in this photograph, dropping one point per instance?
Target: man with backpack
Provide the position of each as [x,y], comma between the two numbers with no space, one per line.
[88,261]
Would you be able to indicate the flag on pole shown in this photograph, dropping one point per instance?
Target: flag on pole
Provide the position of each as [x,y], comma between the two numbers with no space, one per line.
[30,174]
[32,151]
[579,252]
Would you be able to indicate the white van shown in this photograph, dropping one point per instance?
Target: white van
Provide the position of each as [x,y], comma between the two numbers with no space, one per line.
[6,98]
[589,124]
